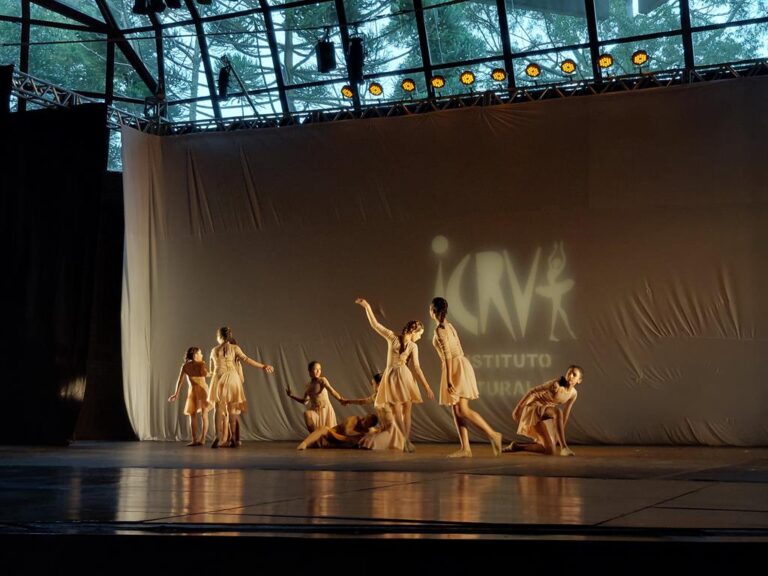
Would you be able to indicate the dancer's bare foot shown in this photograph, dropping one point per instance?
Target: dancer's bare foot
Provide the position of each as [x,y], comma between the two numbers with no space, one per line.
[302,446]
[496,443]
[461,454]
[409,448]
[567,452]
[193,443]
[512,447]
[215,443]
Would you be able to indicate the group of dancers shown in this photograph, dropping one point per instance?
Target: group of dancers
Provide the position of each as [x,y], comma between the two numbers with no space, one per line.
[542,414]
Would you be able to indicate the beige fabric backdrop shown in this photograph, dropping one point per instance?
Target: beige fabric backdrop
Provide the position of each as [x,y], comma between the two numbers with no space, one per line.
[659,199]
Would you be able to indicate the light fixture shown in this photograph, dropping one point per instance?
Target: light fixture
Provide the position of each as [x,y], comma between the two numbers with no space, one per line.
[639,57]
[499,74]
[355,57]
[347,91]
[533,70]
[325,53]
[223,84]
[156,6]
[140,7]
[408,85]
[467,78]
[568,66]
[438,81]
[605,61]
[375,89]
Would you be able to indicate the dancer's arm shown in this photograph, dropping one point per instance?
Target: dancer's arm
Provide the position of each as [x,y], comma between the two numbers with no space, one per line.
[243,358]
[381,330]
[331,390]
[567,408]
[441,343]
[419,373]
[359,401]
[175,395]
[299,399]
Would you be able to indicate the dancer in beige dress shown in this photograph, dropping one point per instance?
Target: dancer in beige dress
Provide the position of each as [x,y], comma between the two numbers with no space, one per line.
[457,382]
[398,388]
[226,391]
[552,400]
[195,371]
[348,434]
[386,435]
[319,413]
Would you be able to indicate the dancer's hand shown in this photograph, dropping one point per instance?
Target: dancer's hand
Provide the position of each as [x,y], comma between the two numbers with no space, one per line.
[450,387]
[288,392]
[268,369]
[362,302]
[430,394]
[173,397]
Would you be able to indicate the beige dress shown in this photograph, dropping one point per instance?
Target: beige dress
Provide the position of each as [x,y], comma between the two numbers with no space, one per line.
[320,413]
[462,376]
[533,405]
[226,383]
[197,392]
[397,382]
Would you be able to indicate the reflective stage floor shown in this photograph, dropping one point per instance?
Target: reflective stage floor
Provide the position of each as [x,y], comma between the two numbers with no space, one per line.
[705,507]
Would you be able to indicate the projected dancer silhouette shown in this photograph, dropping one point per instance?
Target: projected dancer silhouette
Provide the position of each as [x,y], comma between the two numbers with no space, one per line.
[555,290]
[398,388]
[457,382]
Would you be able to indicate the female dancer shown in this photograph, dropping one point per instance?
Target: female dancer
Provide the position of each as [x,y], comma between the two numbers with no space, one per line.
[320,413]
[398,388]
[197,393]
[541,404]
[386,435]
[227,387]
[457,382]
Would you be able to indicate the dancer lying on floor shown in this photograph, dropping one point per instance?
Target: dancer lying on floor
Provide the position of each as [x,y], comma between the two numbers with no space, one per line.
[348,434]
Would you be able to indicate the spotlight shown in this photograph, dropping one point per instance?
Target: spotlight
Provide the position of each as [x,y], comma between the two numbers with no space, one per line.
[376,89]
[347,91]
[639,57]
[437,81]
[499,74]
[140,7]
[408,85]
[605,61]
[568,66]
[533,70]
[467,78]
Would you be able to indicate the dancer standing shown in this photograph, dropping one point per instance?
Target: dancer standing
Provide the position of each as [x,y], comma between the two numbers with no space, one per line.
[398,388]
[195,371]
[541,404]
[320,413]
[227,386]
[457,382]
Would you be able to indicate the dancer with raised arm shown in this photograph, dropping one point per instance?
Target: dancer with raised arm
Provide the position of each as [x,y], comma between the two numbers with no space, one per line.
[398,388]
[457,382]
[553,401]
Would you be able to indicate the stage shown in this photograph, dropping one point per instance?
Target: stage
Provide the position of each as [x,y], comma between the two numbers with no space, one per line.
[699,504]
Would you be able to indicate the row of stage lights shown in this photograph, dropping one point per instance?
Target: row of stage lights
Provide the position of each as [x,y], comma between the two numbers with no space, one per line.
[468,78]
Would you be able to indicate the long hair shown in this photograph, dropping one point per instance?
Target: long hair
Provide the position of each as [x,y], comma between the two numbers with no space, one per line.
[440,309]
[226,335]
[411,327]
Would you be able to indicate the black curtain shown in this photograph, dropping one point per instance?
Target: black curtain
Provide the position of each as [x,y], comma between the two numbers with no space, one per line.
[6,75]
[52,167]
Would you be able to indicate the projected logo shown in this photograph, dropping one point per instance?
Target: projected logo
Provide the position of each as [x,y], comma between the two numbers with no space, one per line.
[491,294]
[503,289]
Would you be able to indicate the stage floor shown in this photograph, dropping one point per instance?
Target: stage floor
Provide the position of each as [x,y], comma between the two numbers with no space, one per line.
[712,494]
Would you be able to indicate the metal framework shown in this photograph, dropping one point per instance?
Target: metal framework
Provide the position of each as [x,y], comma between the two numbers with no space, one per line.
[32,89]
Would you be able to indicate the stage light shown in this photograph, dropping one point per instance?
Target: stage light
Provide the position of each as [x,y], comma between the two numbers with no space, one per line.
[408,85]
[605,61]
[347,91]
[326,56]
[355,57]
[467,78]
[639,57]
[533,70]
[499,74]
[224,82]
[438,82]
[375,89]
[568,66]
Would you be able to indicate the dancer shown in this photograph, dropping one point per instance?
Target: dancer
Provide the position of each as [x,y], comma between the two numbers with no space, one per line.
[345,435]
[457,382]
[544,403]
[195,371]
[398,388]
[227,387]
[320,413]
[386,435]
